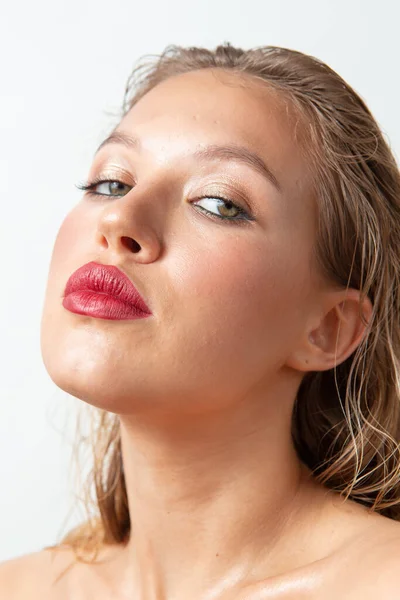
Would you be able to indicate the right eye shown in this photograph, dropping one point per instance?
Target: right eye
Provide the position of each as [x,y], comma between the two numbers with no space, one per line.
[112,187]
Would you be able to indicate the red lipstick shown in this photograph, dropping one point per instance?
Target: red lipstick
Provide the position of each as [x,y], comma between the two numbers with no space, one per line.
[104,292]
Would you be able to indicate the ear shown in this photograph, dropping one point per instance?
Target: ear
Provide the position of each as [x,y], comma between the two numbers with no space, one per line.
[335,334]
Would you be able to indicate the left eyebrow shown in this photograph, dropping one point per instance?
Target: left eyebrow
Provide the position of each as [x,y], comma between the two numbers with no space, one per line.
[229,152]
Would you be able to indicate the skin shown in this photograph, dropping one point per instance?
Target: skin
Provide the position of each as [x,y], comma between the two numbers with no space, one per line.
[221,505]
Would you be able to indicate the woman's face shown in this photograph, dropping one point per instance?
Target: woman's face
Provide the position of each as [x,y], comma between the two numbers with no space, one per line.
[229,297]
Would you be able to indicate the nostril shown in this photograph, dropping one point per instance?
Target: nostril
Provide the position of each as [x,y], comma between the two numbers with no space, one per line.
[131,244]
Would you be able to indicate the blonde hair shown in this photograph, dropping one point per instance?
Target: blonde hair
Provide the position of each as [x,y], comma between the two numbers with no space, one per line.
[346,420]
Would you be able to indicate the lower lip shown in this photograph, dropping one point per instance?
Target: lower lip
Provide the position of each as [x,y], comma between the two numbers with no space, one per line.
[101,306]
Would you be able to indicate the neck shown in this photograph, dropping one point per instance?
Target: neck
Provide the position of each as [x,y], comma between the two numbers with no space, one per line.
[217,498]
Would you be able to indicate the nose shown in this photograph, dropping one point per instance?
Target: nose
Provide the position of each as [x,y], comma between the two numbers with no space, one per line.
[127,225]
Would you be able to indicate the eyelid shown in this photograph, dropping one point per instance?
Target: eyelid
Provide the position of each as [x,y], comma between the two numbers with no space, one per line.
[112,172]
[104,177]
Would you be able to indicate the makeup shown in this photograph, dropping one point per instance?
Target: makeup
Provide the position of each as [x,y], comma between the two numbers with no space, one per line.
[104,292]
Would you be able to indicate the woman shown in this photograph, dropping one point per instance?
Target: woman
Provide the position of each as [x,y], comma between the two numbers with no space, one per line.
[226,296]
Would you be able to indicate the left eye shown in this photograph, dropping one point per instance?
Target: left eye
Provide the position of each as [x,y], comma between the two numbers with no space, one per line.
[223,208]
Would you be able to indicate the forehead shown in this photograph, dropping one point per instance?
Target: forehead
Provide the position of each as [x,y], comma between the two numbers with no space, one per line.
[213,106]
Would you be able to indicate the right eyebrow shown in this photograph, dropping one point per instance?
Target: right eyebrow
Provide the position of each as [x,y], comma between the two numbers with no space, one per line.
[119,137]
[212,152]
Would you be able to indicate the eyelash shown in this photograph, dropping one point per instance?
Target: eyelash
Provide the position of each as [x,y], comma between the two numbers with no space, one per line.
[88,187]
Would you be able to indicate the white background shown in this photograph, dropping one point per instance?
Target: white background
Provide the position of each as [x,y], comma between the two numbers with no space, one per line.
[64,65]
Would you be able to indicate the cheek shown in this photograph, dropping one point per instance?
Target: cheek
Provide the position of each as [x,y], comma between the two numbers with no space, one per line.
[69,251]
[243,295]
[60,264]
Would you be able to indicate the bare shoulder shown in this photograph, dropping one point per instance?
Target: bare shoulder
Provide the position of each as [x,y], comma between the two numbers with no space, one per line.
[384,559]
[374,564]
[34,575]
[21,573]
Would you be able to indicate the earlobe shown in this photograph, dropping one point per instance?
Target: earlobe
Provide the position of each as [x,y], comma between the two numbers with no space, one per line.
[337,334]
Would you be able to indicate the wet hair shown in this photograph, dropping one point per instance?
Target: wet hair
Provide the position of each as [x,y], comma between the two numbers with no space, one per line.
[345,424]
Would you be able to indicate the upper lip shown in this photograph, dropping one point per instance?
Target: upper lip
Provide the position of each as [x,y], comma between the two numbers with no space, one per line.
[106,279]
